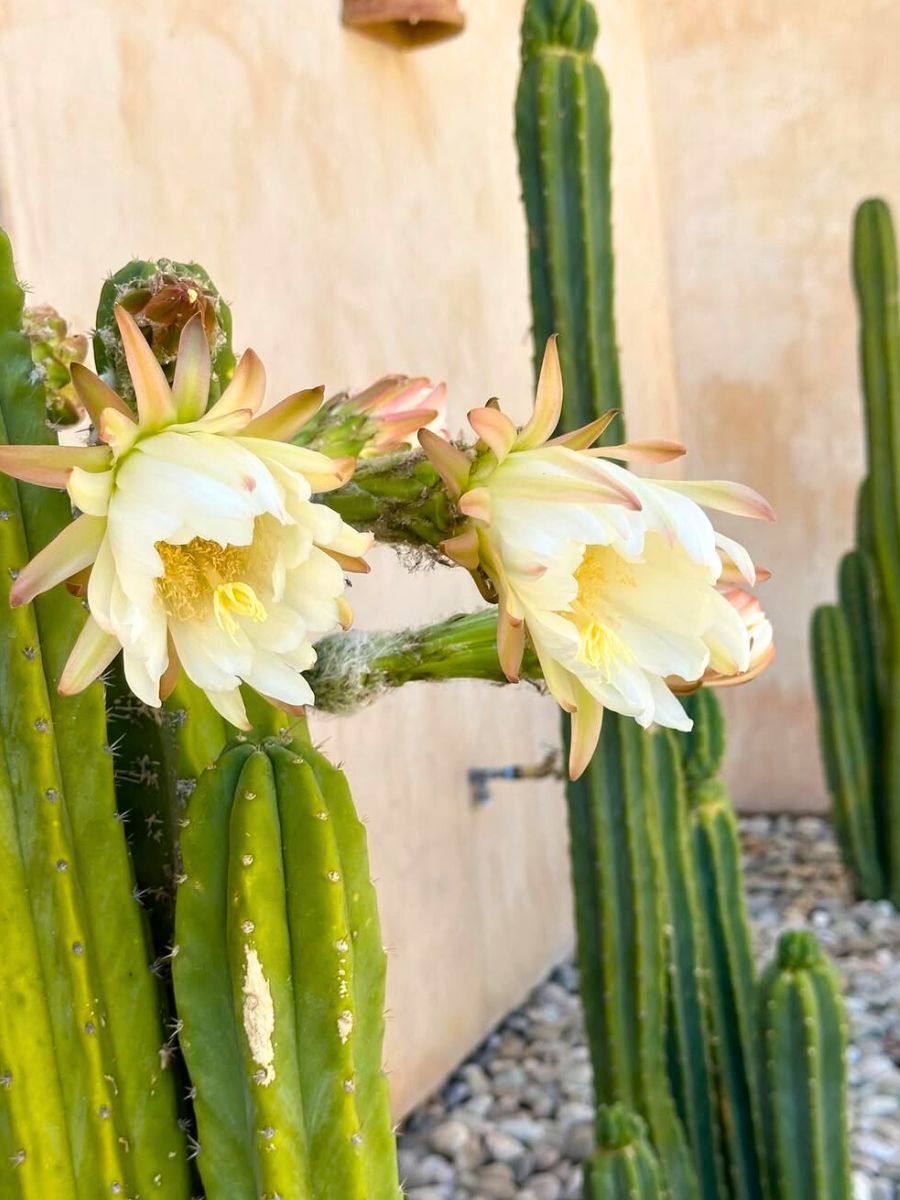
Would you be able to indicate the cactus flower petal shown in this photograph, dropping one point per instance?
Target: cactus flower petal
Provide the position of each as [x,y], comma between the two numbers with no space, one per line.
[92,653]
[548,403]
[587,719]
[283,422]
[495,429]
[451,464]
[245,392]
[581,439]
[51,466]
[726,497]
[95,395]
[156,407]
[642,452]
[190,387]
[70,551]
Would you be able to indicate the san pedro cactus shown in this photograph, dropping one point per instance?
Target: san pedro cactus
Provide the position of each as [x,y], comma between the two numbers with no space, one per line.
[855,643]
[803,1040]
[279,979]
[87,1106]
[563,134]
[624,1166]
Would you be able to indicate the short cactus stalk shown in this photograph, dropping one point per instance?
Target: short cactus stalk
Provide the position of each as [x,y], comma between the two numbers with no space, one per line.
[624,1166]
[279,980]
[855,643]
[803,1039]
[87,1105]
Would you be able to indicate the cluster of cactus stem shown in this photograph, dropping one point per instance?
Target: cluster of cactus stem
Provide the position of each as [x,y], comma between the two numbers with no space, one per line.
[681,1073]
[239,1050]
[855,646]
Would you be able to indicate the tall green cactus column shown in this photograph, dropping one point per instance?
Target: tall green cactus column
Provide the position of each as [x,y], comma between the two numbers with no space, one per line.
[563,134]
[803,1039]
[279,980]
[87,1107]
[856,643]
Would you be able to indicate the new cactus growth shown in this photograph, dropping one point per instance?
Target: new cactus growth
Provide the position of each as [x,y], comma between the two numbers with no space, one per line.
[87,1106]
[279,980]
[624,1166]
[855,643]
[803,1039]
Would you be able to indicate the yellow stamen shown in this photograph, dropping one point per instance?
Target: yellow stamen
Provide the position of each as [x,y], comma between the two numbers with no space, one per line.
[238,598]
[598,645]
[193,571]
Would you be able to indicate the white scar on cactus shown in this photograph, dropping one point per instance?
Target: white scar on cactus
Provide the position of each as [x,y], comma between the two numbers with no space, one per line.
[259,1018]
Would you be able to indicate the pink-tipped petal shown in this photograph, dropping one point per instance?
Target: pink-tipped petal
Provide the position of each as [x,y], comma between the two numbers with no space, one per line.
[642,452]
[95,395]
[495,429]
[587,720]
[50,466]
[547,403]
[190,388]
[285,420]
[723,496]
[477,505]
[510,645]
[246,390]
[450,463]
[463,548]
[70,551]
[155,405]
[91,655]
[581,439]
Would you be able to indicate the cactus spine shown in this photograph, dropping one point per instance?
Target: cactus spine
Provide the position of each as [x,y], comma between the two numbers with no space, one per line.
[80,1033]
[856,644]
[279,980]
[624,1166]
[803,1036]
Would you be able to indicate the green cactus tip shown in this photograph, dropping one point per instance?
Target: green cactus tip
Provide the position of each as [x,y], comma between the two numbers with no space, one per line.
[569,24]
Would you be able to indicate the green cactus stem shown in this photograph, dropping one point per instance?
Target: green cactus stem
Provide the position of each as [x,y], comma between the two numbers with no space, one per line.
[803,1036]
[279,980]
[563,135]
[624,1166]
[87,1106]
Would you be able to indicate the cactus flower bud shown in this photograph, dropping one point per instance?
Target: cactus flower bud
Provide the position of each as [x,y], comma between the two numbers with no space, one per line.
[53,351]
[614,578]
[380,420]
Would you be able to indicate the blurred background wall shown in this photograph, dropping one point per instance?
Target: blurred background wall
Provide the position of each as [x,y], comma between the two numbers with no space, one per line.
[360,209]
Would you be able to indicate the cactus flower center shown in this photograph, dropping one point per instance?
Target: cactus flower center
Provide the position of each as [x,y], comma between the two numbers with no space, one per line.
[230,599]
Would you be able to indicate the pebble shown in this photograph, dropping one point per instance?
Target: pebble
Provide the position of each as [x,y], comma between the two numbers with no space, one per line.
[516,1121]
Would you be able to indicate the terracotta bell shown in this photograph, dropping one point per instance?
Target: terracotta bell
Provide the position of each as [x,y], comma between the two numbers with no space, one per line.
[405,23]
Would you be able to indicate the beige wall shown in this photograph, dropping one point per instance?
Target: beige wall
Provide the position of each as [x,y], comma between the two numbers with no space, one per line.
[361,210]
[772,120]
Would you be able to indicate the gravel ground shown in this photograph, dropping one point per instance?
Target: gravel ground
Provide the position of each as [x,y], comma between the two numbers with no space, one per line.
[515,1121]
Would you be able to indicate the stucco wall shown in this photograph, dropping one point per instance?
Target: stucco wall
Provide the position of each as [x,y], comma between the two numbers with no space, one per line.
[772,120]
[361,210]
